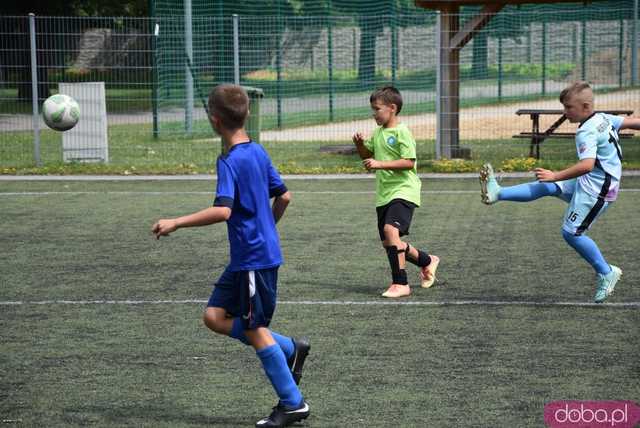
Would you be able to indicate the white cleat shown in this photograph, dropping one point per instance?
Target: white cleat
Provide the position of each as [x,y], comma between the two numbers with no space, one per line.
[489,187]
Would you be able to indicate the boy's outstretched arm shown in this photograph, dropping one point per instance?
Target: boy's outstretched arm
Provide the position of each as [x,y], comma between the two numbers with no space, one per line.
[358,140]
[280,204]
[164,227]
[583,167]
[630,123]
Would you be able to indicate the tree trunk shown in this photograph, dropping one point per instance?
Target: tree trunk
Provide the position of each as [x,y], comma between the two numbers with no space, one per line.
[367,61]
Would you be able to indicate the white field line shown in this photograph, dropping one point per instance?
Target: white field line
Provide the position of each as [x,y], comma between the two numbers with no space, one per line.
[212,177]
[142,193]
[524,303]
[297,192]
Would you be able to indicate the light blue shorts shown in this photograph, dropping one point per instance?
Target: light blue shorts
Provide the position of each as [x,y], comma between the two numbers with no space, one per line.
[584,208]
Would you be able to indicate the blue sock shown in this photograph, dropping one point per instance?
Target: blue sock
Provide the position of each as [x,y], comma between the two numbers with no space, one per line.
[528,191]
[276,369]
[589,251]
[285,343]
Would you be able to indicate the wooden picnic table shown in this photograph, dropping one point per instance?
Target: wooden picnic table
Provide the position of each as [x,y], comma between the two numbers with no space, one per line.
[538,137]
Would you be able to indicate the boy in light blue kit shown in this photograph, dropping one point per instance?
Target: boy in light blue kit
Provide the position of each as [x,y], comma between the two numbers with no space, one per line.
[244,298]
[590,186]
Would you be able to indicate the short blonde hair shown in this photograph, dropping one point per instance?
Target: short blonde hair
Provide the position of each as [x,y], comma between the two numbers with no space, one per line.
[230,103]
[573,90]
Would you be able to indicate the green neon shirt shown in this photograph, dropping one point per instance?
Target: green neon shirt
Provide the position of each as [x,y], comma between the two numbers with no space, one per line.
[388,144]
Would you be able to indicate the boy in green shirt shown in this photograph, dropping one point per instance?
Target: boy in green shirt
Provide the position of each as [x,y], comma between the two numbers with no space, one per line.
[391,152]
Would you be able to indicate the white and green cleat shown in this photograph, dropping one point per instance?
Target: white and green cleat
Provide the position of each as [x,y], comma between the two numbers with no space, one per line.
[489,187]
[606,284]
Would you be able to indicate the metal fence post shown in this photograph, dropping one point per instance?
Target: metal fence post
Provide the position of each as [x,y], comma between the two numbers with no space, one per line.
[438,86]
[34,90]
[634,45]
[394,43]
[154,78]
[279,70]
[236,50]
[188,78]
[330,64]
[499,68]
[544,57]
[583,52]
[620,51]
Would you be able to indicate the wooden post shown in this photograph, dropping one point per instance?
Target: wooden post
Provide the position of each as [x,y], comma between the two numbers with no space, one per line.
[449,84]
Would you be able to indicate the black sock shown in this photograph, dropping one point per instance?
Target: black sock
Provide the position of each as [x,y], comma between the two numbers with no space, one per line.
[399,276]
[423,258]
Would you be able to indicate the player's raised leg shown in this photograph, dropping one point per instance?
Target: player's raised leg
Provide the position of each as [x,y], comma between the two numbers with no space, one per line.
[428,264]
[492,192]
[489,187]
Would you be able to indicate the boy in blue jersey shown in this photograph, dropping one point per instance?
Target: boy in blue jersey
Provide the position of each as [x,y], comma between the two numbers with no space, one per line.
[244,297]
[590,186]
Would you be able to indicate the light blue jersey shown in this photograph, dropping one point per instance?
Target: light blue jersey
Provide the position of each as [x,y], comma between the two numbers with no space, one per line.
[597,138]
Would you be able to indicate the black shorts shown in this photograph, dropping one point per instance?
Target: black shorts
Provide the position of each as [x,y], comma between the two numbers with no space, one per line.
[397,213]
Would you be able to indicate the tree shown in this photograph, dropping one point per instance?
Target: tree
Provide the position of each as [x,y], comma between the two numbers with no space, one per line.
[371,17]
[48,54]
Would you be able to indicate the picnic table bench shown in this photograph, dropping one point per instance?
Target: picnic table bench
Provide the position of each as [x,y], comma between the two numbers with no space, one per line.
[536,136]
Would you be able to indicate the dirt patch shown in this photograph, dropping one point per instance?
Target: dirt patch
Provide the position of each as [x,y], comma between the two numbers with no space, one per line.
[480,123]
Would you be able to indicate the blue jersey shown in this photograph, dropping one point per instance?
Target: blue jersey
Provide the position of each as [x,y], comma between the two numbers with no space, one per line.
[246,183]
[597,138]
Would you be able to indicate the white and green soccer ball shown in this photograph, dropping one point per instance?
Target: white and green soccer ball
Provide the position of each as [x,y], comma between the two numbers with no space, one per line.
[60,112]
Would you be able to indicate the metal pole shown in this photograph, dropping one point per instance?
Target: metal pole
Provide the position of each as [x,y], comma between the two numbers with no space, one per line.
[583,52]
[438,86]
[236,50]
[500,76]
[154,73]
[330,65]
[634,45]
[574,52]
[620,51]
[530,43]
[279,71]
[394,44]
[544,58]
[34,90]
[188,79]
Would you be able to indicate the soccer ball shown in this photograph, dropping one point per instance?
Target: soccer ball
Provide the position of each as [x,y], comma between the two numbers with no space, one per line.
[60,112]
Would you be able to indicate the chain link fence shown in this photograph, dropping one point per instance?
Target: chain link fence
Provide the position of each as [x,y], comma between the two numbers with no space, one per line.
[316,73]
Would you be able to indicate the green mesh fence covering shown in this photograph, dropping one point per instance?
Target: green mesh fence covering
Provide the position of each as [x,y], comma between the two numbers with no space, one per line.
[316,62]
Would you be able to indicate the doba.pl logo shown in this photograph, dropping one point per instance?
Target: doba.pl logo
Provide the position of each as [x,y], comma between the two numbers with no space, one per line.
[591,414]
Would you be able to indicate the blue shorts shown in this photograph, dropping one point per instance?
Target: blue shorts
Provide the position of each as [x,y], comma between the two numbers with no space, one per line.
[250,295]
[584,208]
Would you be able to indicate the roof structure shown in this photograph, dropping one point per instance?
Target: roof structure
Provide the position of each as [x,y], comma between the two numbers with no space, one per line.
[451,39]
[447,4]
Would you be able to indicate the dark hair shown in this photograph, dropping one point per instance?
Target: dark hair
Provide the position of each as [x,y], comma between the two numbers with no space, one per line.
[230,103]
[388,95]
[572,90]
